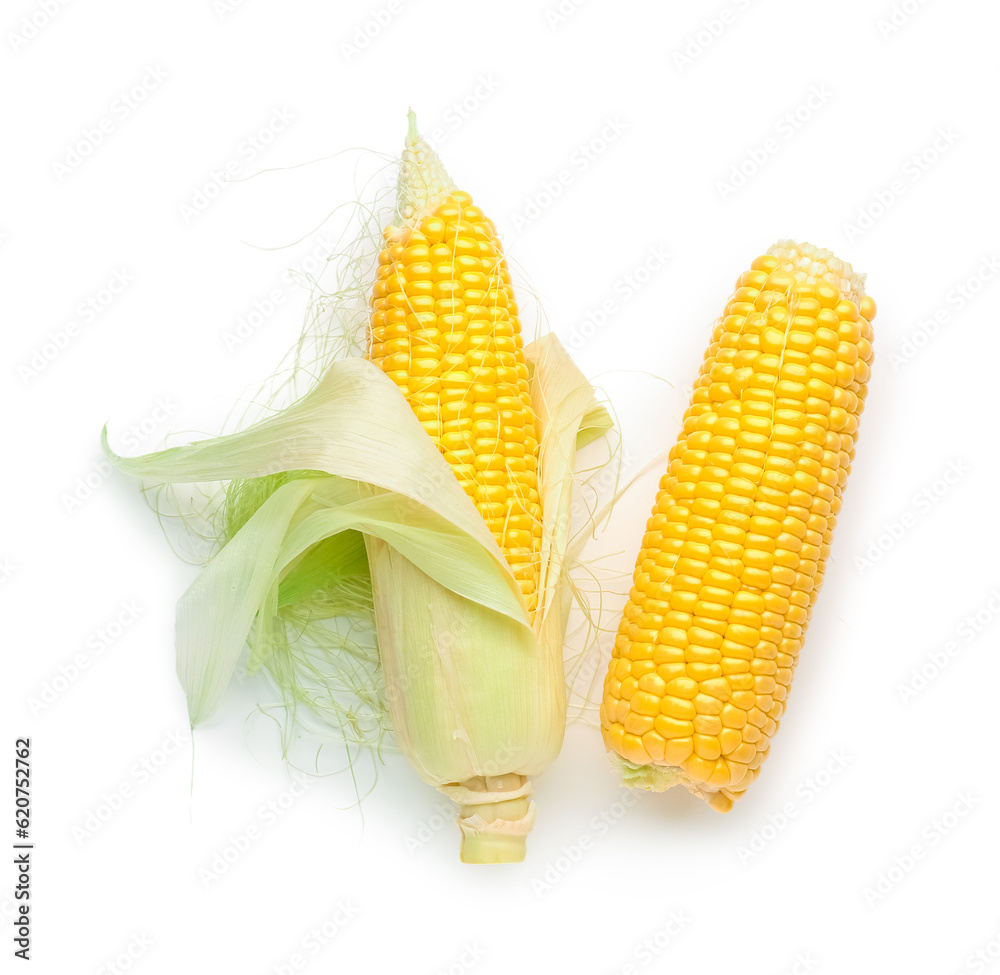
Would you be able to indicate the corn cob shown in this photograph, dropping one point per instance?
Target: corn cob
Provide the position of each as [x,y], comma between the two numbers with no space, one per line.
[441,453]
[445,329]
[734,552]
[477,702]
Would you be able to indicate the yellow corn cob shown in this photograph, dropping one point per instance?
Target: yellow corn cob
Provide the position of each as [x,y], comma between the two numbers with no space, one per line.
[735,548]
[445,329]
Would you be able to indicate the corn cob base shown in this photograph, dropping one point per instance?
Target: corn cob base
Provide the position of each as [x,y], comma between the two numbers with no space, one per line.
[735,549]
[495,817]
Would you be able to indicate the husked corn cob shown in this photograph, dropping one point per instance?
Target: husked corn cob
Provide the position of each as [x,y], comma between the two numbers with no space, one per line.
[445,329]
[734,551]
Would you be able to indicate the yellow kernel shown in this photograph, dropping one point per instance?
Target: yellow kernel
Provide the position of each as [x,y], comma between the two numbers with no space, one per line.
[672,728]
[729,740]
[707,724]
[733,717]
[677,750]
[638,724]
[679,708]
[706,747]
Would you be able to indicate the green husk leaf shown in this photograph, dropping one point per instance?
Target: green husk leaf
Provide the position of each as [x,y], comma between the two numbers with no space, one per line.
[495,691]
[332,563]
[570,417]
[353,424]
[383,477]
[215,615]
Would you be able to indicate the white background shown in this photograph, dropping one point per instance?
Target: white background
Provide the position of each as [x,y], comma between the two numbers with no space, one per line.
[914,555]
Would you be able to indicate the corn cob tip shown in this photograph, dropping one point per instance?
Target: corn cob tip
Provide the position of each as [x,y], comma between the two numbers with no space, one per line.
[423,180]
[811,264]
